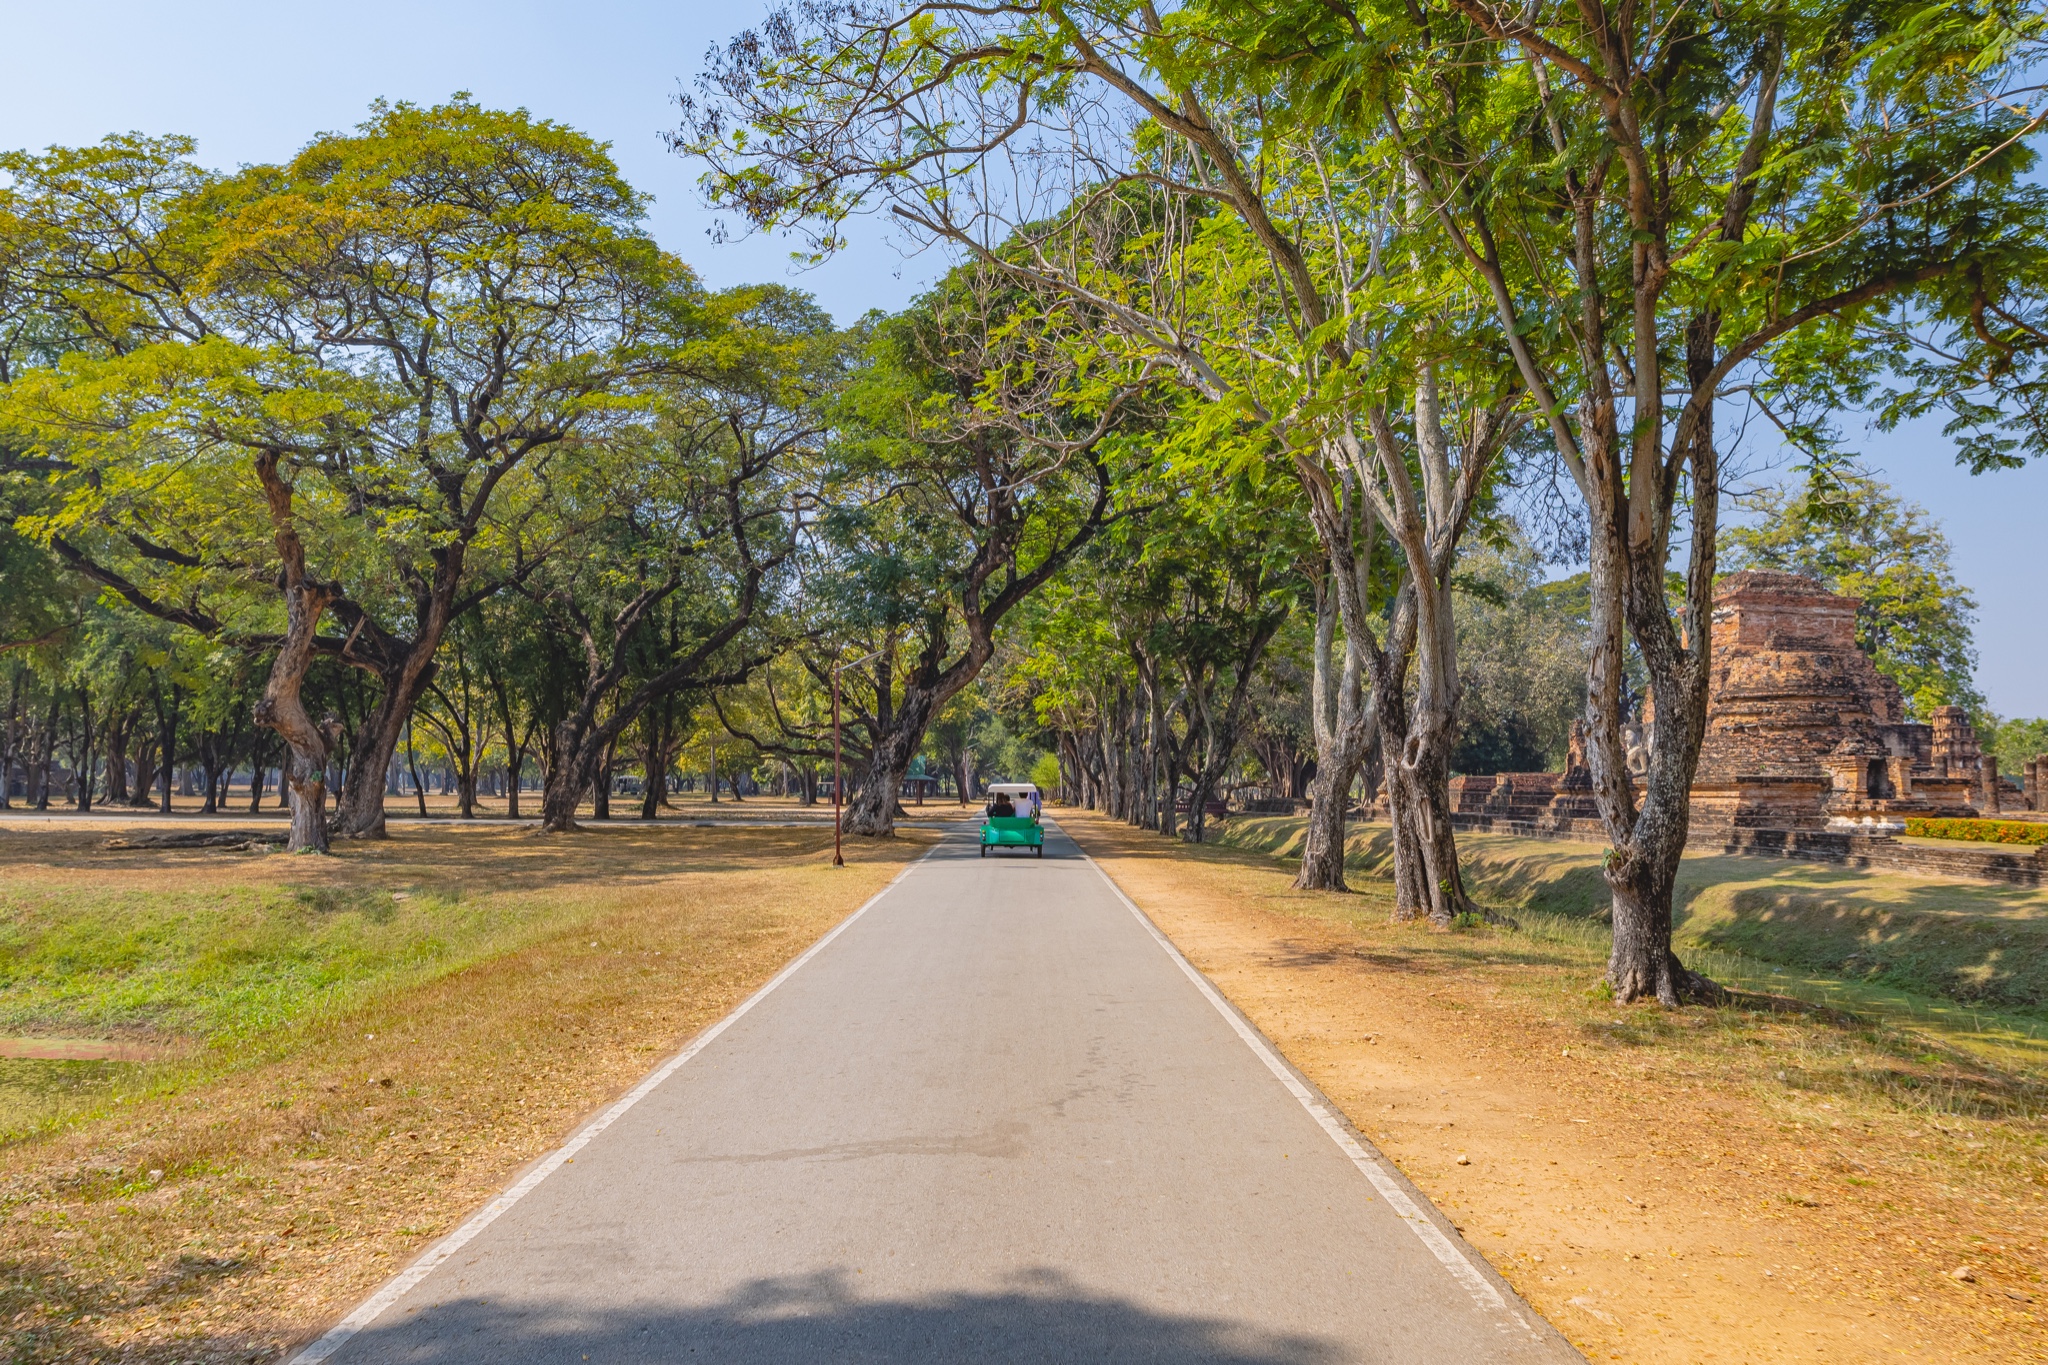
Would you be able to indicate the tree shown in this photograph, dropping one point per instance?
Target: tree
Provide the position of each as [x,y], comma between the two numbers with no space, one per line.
[694,522]
[976,461]
[2016,743]
[1281,733]
[1144,661]
[1524,641]
[359,355]
[1863,540]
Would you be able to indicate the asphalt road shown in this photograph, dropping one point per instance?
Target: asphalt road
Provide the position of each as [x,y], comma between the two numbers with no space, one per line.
[994,1118]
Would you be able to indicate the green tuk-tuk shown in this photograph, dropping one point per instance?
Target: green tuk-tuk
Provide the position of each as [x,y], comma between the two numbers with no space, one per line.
[1020,830]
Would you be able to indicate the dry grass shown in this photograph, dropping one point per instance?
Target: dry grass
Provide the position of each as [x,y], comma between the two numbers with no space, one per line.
[224,1206]
[1758,1183]
[1953,945]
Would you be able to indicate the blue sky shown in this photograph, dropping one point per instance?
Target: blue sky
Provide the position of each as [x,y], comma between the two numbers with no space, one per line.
[253,81]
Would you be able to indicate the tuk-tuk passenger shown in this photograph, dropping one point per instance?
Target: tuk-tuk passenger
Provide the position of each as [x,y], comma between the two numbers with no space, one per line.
[1002,809]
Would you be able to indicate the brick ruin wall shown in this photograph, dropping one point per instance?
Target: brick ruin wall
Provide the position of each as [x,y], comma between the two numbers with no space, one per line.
[1807,753]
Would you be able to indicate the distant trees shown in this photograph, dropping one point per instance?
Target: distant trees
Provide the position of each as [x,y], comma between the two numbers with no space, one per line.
[1523,640]
[691,524]
[1144,663]
[975,459]
[2015,743]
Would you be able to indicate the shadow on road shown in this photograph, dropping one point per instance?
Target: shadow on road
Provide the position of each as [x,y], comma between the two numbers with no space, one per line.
[1045,1317]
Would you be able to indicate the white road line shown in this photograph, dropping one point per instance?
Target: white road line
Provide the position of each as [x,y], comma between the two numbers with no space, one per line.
[1454,1260]
[375,1306]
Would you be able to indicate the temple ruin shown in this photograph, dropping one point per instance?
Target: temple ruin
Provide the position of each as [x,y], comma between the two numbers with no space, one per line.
[1802,730]
[1805,739]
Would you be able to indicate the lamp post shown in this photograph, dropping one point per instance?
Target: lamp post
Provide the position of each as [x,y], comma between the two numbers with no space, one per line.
[837,860]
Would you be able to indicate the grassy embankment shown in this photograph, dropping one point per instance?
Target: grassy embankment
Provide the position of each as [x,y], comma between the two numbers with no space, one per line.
[354,1051]
[1760,1182]
[1969,960]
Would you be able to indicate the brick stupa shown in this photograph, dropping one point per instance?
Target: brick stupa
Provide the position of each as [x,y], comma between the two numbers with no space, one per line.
[1803,732]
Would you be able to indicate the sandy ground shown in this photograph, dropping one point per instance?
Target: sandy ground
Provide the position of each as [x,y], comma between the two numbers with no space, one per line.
[1664,1187]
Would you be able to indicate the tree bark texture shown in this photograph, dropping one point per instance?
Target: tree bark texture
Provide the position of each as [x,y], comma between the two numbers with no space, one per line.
[281,708]
[1339,708]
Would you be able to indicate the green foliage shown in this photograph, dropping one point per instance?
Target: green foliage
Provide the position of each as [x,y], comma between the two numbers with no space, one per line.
[2016,743]
[1862,540]
[1522,644]
[1979,831]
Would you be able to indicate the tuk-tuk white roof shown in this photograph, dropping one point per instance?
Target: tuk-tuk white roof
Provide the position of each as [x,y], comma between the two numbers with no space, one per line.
[1013,788]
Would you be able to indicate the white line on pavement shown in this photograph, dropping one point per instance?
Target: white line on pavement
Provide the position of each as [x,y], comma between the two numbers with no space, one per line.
[374,1307]
[1454,1260]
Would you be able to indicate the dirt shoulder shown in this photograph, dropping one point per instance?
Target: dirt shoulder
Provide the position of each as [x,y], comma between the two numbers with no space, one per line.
[230,1213]
[1741,1184]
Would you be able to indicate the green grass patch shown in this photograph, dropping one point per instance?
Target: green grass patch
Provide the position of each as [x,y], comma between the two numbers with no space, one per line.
[33,1092]
[231,962]
[1970,960]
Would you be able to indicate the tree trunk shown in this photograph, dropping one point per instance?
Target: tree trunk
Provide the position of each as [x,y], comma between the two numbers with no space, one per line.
[10,738]
[141,791]
[1641,964]
[1163,765]
[281,708]
[359,814]
[601,784]
[1322,853]
[1342,720]
[166,741]
[1411,889]
[412,768]
[515,763]
[873,810]
[1427,880]
[87,736]
[210,763]
[115,741]
[653,765]
[570,775]
[46,754]
[1629,596]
